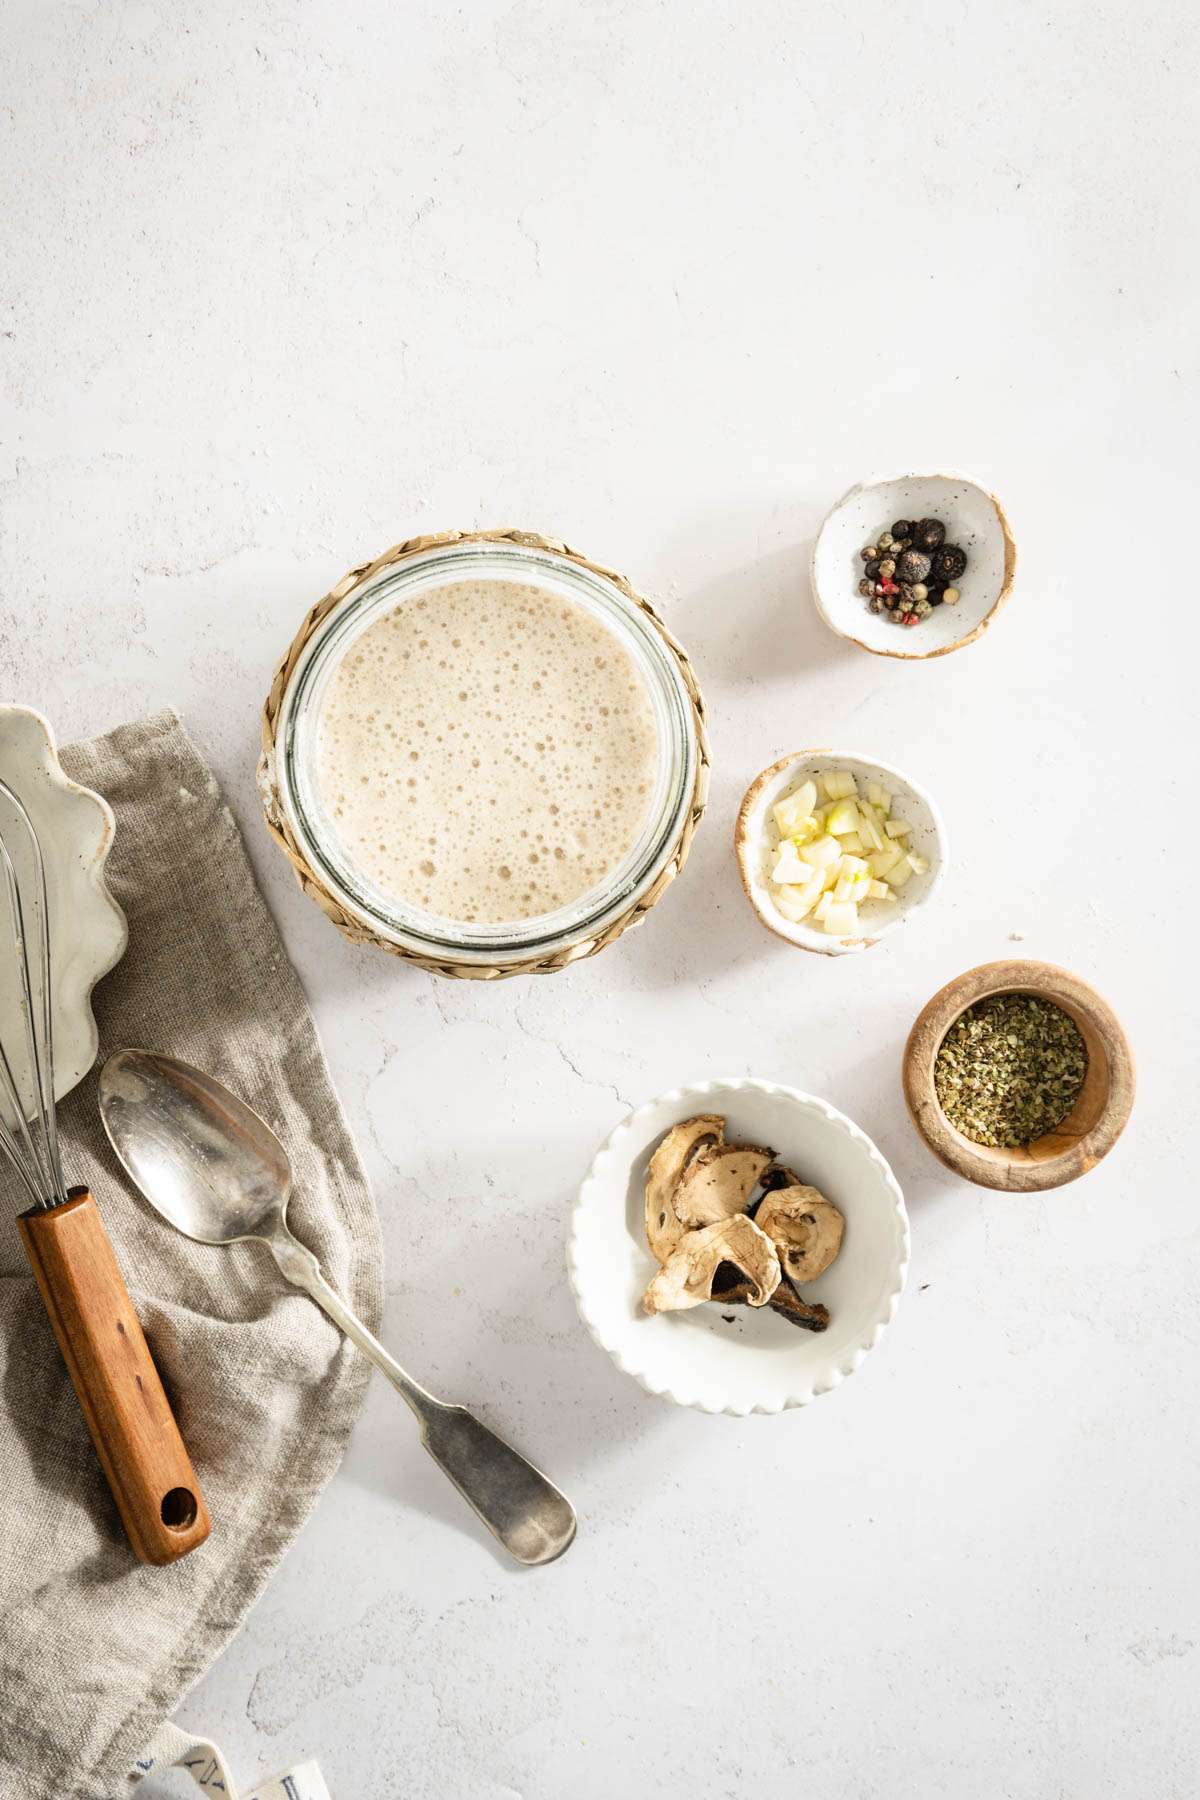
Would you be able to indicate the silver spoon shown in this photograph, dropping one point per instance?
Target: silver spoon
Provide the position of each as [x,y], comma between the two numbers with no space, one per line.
[216,1171]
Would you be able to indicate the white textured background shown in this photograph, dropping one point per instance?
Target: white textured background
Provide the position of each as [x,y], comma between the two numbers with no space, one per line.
[283,283]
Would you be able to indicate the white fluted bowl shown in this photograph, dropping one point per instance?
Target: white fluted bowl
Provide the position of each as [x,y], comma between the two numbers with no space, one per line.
[759,1363]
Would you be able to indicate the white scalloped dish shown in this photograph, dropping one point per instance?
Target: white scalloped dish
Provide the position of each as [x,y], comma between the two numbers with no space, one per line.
[88,931]
[758,1362]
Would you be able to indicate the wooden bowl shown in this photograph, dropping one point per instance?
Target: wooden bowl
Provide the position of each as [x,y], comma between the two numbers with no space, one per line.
[1092,1126]
[974,519]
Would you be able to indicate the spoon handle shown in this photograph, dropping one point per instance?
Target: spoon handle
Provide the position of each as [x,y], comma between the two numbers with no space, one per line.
[525,1511]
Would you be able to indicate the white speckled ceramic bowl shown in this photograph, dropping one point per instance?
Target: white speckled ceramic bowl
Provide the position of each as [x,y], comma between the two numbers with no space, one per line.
[755,840]
[974,519]
[758,1363]
[88,932]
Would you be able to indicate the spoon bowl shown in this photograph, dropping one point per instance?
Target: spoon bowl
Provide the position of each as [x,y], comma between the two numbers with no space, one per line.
[206,1161]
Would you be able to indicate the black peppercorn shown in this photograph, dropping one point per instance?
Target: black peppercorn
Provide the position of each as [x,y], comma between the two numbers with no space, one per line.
[902,528]
[930,534]
[872,569]
[949,563]
[934,595]
[913,566]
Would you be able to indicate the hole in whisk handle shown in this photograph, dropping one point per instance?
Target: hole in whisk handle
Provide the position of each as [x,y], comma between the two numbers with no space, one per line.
[178,1509]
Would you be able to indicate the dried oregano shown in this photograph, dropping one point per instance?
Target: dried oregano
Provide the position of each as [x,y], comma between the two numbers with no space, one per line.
[1010,1069]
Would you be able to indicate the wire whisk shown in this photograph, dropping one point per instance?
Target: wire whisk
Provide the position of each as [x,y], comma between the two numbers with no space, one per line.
[28,1122]
[121,1394]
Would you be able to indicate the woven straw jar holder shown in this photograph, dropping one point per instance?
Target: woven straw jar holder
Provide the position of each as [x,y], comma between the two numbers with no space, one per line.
[353,927]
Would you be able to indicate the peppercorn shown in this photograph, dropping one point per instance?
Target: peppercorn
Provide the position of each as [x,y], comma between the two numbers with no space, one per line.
[949,562]
[913,566]
[910,569]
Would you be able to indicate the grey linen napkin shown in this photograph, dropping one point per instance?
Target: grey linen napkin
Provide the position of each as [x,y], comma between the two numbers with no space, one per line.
[95,1650]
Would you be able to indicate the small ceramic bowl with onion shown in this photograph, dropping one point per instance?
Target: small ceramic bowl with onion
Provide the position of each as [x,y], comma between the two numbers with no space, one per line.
[756,842]
[974,520]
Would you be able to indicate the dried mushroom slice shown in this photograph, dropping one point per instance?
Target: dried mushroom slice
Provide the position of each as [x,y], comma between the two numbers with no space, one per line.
[777,1176]
[718,1183]
[807,1314]
[805,1228]
[686,1278]
[681,1145]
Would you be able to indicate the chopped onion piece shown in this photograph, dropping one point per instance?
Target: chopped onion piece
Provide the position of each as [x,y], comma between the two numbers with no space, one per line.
[878,890]
[821,852]
[794,809]
[788,818]
[897,828]
[897,876]
[840,921]
[788,867]
[839,784]
[885,859]
[796,903]
[920,865]
[843,819]
[868,829]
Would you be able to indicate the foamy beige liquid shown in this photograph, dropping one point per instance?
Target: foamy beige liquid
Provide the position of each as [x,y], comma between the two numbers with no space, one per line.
[487,752]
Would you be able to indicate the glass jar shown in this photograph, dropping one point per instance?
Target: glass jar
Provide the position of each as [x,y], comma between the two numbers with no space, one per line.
[300,818]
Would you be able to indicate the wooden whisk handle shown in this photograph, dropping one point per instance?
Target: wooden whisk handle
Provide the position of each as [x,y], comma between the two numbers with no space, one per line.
[109,1361]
